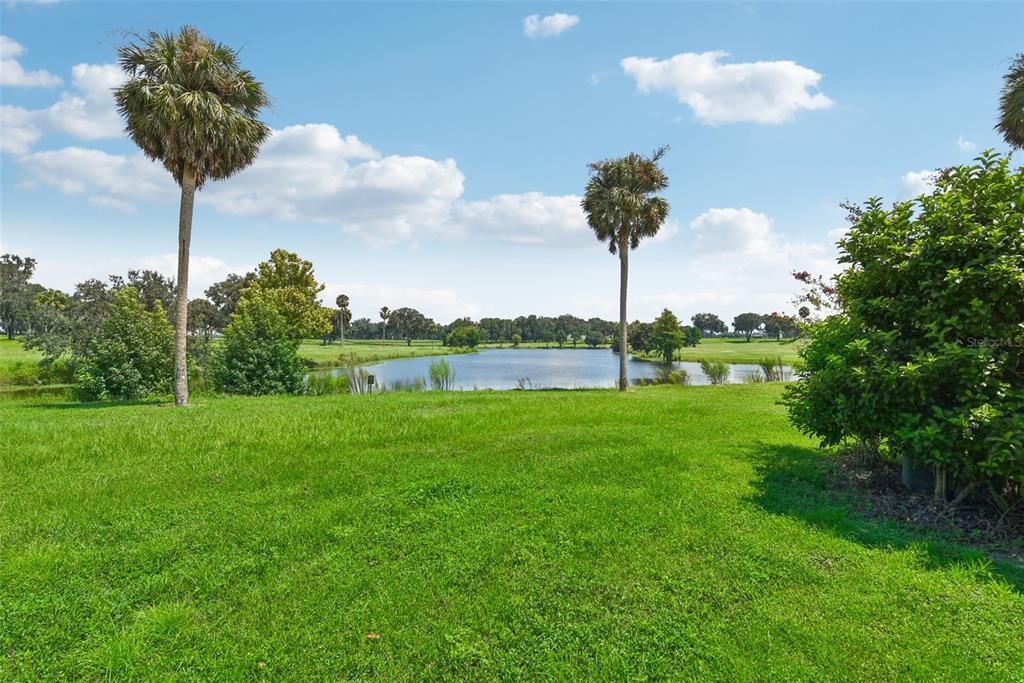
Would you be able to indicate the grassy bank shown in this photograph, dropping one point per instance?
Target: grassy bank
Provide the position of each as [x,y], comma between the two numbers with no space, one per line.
[668,532]
[369,351]
[735,351]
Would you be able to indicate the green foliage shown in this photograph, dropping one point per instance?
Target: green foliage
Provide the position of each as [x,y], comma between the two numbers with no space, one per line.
[15,293]
[188,104]
[709,324]
[325,383]
[716,371]
[928,356]
[747,323]
[772,369]
[131,357]
[665,374]
[1011,104]
[259,352]
[442,375]
[467,336]
[666,335]
[517,339]
[691,336]
[640,337]
[289,282]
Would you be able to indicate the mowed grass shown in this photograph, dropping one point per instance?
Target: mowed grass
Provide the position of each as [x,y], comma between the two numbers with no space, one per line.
[369,351]
[665,533]
[740,350]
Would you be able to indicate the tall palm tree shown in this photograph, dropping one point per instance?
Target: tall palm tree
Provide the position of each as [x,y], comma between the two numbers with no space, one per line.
[1011,105]
[188,104]
[622,210]
[385,313]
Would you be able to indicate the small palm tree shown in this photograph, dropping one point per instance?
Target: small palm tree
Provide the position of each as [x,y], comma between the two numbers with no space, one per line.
[385,313]
[622,210]
[1011,105]
[188,104]
[342,302]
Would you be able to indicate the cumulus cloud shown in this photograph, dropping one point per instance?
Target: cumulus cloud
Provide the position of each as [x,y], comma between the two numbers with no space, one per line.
[965,145]
[536,26]
[314,174]
[916,183]
[742,263]
[757,92]
[203,271]
[89,113]
[19,129]
[13,74]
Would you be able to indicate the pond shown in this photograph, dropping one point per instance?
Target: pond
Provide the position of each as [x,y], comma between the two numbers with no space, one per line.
[538,369]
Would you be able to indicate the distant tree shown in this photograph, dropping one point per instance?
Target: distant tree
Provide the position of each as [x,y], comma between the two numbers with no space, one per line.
[709,323]
[747,324]
[780,325]
[517,339]
[666,335]
[226,294]
[363,328]
[132,354]
[465,336]
[1011,105]
[344,315]
[385,313]
[594,338]
[691,335]
[188,104]
[641,337]
[622,209]
[409,324]
[203,318]
[15,293]
[153,288]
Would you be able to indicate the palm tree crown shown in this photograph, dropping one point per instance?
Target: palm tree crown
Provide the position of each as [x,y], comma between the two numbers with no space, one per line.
[188,104]
[1011,105]
[618,200]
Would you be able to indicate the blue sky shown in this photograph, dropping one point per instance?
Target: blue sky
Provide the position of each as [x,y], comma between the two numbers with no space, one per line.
[432,155]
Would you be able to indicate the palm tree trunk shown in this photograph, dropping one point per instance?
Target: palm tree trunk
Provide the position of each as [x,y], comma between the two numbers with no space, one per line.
[188,191]
[623,278]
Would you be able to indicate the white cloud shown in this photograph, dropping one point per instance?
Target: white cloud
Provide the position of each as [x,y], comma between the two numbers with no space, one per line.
[13,74]
[530,218]
[443,305]
[916,183]
[19,129]
[314,174]
[741,263]
[203,271]
[90,113]
[965,145]
[536,26]
[109,179]
[758,92]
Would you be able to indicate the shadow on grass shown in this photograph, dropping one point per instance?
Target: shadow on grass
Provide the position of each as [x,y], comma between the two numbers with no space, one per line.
[794,481]
[77,405]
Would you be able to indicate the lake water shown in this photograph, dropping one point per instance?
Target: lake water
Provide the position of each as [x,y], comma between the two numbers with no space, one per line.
[540,368]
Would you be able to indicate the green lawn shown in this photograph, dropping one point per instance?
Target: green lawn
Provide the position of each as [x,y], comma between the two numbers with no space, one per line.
[671,532]
[739,350]
[369,351]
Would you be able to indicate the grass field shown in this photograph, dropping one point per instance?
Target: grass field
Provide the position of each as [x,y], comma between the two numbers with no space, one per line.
[369,351]
[13,355]
[664,533]
[737,350]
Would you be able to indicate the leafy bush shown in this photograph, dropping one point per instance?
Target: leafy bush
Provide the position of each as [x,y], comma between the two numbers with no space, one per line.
[131,356]
[442,375]
[716,371]
[927,357]
[465,336]
[259,353]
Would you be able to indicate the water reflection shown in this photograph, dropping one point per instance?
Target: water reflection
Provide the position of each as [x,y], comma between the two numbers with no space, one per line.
[541,369]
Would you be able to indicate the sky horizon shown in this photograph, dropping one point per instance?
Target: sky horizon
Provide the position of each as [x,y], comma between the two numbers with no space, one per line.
[434,155]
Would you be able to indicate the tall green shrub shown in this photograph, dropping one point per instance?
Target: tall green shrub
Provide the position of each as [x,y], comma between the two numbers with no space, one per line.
[259,353]
[927,357]
[132,355]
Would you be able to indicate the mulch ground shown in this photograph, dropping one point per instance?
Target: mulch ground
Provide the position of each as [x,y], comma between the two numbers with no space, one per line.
[975,521]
